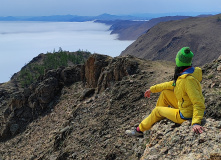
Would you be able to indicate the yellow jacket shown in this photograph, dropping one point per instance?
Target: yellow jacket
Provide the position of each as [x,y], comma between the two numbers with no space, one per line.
[188,92]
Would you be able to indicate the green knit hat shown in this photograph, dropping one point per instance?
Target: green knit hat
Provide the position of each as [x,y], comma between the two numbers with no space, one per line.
[184,57]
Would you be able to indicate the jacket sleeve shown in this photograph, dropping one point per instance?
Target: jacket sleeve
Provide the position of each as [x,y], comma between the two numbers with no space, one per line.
[162,86]
[194,92]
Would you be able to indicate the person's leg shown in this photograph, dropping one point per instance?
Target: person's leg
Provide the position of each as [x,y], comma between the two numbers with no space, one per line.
[167,98]
[161,111]
[158,114]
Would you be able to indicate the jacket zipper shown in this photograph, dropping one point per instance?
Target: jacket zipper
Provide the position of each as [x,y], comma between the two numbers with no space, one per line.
[182,102]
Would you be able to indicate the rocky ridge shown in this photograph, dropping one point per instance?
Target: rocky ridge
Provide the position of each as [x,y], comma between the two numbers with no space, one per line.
[82,111]
[45,115]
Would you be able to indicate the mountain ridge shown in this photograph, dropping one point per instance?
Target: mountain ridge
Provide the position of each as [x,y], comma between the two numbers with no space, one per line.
[165,39]
[104,16]
[131,30]
[82,111]
[72,18]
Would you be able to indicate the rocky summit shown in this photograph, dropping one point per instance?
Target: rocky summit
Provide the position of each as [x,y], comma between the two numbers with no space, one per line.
[82,112]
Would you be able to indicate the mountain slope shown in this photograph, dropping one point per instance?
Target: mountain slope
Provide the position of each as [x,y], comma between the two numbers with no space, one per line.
[79,111]
[82,112]
[163,41]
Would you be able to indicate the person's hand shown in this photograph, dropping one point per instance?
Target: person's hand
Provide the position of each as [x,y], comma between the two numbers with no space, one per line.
[147,94]
[198,129]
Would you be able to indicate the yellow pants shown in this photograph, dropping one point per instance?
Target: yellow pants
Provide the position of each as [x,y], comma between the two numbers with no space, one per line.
[167,98]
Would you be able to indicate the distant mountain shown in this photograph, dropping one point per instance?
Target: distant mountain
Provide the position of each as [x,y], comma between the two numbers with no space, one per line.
[156,15]
[128,27]
[71,18]
[105,16]
[131,30]
[163,41]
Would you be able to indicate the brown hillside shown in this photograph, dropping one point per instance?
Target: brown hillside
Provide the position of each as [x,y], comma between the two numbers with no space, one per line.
[163,41]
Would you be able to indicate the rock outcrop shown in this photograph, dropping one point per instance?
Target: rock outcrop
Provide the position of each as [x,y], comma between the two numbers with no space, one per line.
[25,105]
[84,118]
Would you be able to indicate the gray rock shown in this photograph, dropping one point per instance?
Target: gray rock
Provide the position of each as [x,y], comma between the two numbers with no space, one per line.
[14,129]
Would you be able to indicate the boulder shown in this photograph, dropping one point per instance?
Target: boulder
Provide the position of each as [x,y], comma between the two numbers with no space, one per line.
[72,74]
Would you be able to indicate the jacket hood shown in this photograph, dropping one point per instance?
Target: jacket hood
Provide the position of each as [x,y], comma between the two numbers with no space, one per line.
[196,72]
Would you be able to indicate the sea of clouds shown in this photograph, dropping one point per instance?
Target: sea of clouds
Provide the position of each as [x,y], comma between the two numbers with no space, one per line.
[22,41]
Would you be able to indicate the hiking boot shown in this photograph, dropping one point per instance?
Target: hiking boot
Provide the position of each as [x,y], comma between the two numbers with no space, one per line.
[134,133]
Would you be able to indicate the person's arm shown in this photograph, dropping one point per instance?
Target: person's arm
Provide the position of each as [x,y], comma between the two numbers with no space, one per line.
[193,90]
[162,86]
[158,88]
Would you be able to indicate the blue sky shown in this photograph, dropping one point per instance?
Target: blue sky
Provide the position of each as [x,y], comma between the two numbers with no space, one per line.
[97,7]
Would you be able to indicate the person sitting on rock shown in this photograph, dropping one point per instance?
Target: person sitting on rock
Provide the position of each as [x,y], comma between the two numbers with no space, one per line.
[184,94]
